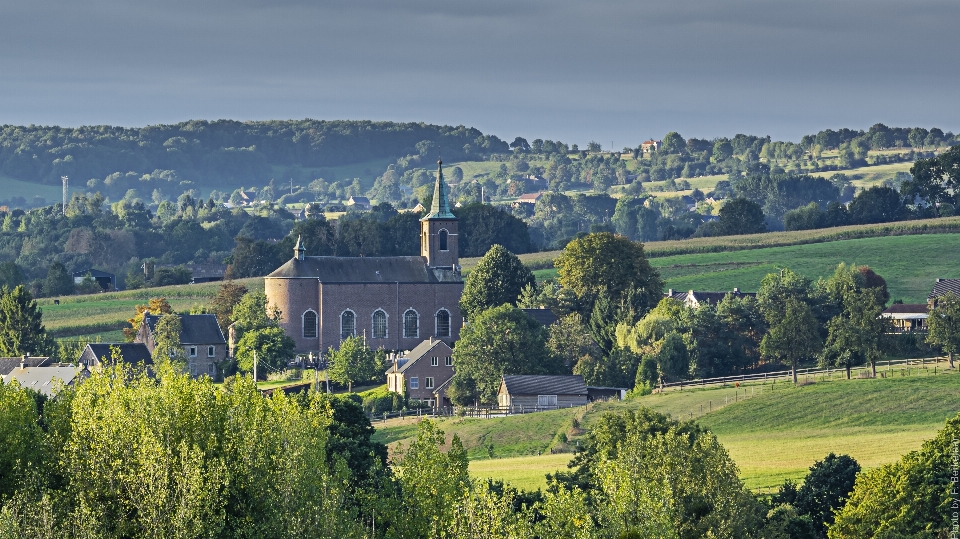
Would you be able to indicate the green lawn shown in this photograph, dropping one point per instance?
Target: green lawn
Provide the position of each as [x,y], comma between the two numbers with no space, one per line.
[910,264]
[777,432]
[103,315]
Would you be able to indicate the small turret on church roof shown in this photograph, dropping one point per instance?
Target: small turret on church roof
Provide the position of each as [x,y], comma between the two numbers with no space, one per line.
[299,251]
[440,209]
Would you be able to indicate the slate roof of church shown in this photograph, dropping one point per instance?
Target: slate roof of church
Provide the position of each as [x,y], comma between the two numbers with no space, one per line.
[535,384]
[194,328]
[365,269]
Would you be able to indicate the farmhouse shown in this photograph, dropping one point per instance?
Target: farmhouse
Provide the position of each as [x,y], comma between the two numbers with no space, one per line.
[694,299]
[519,393]
[395,302]
[201,338]
[651,146]
[107,281]
[422,371]
[907,317]
[530,198]
[361,202]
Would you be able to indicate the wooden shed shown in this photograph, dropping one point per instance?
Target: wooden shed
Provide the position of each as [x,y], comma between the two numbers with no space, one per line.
[527,393]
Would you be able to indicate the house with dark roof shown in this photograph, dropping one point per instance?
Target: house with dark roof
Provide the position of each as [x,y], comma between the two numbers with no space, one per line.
[360,202]
[907,317]
[201,337]
[107,281]
[98,355]
[941,287]
[694,299]
[395,302]
[544,316]
[8,364]
[419,372]
[529,393]
[201,273]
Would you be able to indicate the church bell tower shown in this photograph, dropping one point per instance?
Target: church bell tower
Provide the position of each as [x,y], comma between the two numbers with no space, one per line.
[438,229]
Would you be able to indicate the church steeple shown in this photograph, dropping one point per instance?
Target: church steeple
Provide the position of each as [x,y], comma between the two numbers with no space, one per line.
[440,208]
[438,229]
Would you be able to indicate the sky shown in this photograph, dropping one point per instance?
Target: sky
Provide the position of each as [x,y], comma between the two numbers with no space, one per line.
[609,71]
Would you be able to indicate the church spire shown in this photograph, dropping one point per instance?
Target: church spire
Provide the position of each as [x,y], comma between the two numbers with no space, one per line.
[440,208]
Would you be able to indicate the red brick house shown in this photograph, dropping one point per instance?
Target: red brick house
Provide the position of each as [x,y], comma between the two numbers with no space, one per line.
[395,302]
[422,371]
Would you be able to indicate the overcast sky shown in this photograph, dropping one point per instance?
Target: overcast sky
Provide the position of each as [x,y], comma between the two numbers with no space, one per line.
[604,70]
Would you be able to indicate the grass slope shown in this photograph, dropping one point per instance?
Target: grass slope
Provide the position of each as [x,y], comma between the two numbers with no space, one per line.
[910,264]
[776,433]
[104,315]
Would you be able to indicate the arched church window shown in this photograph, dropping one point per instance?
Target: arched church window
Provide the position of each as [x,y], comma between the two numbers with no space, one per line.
[379,324]
[443,240]
[348,324]
[309,325]
[443,323]
[411,324]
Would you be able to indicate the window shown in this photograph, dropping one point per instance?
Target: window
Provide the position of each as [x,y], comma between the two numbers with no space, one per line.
[546,400]
[211,351]
[379,324]
[411,324]
[443,240]
[429,382]
[193,351]
[310,325]
[414,383]
[390,382]
[448,361]
[348,324]
[443,323]
[193,369]
[212,370]
[434,361]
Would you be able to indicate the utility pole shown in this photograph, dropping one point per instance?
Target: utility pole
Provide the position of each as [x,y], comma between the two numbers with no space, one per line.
[254,368]
[66,188]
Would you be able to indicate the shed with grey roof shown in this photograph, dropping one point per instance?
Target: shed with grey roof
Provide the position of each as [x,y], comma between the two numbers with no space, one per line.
[531,393]
[7,364]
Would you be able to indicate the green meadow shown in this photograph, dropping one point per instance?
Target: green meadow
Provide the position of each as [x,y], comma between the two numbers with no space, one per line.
[773,432]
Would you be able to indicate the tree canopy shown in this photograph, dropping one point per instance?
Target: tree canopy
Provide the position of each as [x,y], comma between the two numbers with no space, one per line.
[498,278]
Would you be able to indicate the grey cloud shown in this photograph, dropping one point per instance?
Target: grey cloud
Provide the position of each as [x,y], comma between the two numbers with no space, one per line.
[555,69]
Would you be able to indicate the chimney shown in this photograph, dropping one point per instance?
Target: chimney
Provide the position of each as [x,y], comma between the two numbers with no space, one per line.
[670,292]
[736,290]
[939,280]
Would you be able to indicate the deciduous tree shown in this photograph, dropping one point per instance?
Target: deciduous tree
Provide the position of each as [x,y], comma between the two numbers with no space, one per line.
[944,325]
[498,279]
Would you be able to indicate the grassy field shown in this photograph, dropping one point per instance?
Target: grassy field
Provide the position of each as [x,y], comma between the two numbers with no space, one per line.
[104,315]
[864,177]
[910,264]
[895,258]
[773,431]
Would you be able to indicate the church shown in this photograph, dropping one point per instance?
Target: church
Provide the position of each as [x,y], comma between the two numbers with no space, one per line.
[394,302]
